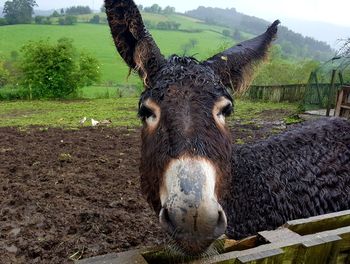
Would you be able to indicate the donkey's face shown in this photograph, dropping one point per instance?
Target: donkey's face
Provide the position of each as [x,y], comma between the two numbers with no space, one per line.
[186,151]
[186,148]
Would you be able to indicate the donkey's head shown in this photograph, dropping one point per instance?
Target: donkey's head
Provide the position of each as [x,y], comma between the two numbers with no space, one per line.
[186,147]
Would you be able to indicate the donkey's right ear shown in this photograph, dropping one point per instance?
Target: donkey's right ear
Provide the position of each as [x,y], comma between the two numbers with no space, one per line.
[133,42]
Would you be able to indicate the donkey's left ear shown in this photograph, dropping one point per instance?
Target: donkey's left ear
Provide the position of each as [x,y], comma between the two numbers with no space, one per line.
[133,42]
[235,65]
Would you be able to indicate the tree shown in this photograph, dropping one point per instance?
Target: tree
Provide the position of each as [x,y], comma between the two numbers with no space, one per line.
[39,19]
[55,14]
[56,70]
[345,49]
[19,11]
[226,32]
[169,10]
[95,19]
[237,35]
[62,11]
[78,10]
[3,22]
[153,9]
[67,20]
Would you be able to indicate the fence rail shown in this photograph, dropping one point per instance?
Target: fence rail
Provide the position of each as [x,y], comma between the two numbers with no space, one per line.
[277,93]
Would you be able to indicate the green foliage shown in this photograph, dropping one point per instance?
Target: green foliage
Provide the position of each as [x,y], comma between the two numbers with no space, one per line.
[293,45]
[156,9]
[19,11]
[95,19]
[4,74]
[78,10]
[55,14]
[169,10]
[42,20]
[280,71]
[190,45]
[237,35]
[67,20]
[226,32]
[3,22]
[96,40]
[55,71]
[345,48]
[89,70]
[292,119]
[168,25]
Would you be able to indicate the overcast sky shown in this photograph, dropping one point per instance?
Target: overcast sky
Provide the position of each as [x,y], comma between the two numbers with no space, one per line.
[335,11]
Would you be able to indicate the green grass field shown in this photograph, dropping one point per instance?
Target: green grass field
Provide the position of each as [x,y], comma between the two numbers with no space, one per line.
[122,112]
[96,40]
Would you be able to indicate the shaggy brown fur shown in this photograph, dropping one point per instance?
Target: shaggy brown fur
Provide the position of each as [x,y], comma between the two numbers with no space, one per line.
[301,173]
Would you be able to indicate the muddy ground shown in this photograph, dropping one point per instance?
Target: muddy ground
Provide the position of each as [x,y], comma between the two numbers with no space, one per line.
[69,194]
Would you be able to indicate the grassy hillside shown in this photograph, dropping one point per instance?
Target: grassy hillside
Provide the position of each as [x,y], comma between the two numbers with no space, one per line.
[96,40]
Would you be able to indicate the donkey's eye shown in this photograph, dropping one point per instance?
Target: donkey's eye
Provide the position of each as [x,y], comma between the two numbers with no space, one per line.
[222,109]
[145,112]
[149,113]
[226,110]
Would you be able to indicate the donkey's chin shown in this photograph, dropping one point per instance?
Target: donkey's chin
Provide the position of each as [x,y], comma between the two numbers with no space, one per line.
[194,248]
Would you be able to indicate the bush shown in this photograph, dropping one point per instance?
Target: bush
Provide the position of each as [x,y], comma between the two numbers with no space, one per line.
[42,20]
[39,19]
[4,74]
[168,25]
[67,20]
[78,10]
[226,32]
[95,19]
[55,14]
[3,22]
[56,70]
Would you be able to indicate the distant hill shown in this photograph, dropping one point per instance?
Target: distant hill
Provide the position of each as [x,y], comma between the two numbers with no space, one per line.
[327,32]
[43,12]
[293,45]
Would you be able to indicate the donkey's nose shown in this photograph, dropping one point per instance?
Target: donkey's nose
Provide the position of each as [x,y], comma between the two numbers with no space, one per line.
[190,212]
[194,228]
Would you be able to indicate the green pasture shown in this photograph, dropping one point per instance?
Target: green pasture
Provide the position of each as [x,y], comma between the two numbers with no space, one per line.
[121,111]
[96,40]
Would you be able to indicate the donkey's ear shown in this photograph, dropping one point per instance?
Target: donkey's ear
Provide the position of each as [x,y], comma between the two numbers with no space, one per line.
[134,43]
[235,65]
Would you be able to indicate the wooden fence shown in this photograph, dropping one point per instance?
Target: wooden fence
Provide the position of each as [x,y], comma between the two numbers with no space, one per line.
[277,93]
[322,239]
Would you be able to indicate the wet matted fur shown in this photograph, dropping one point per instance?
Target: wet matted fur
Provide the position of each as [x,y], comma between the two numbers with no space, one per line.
[301,173]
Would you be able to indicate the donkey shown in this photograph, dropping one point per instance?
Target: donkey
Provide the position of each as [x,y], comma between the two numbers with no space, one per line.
[195,180]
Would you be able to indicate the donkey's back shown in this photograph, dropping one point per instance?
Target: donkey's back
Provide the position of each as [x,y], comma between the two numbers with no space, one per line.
[300,173]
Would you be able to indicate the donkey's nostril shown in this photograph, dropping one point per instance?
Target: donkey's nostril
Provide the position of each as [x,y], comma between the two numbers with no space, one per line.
[221,223]
[165,220]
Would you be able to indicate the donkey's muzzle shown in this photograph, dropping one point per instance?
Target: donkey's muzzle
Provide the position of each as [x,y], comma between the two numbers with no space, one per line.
[190,212]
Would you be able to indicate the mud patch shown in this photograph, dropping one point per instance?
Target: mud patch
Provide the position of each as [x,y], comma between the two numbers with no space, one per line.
[66,194]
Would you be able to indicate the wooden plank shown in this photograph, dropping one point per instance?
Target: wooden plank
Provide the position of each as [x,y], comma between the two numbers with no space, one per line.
[279,235]
[128,257]
[339,101]
[273,256]
[319,223]
[344,106]
[286,246]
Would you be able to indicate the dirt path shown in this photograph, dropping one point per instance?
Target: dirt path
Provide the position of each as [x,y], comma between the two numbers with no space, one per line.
[76,193]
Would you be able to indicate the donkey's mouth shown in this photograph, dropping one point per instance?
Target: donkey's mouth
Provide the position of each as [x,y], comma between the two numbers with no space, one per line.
[193,247]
